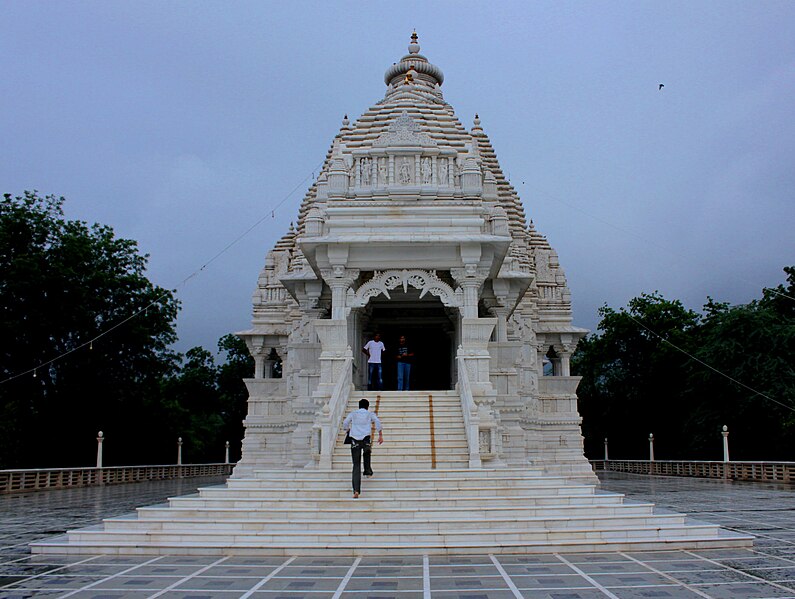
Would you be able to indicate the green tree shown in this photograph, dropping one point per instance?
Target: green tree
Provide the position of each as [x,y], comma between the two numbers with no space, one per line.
[239,365]
[62,283]
[741,374]
[753,344]
[632,383]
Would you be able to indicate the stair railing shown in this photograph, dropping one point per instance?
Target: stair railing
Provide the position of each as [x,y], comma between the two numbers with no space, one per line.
[470,411]
[332,414]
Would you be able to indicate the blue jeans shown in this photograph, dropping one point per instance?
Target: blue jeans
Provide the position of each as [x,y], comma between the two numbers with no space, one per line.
[404,371]
[375,380]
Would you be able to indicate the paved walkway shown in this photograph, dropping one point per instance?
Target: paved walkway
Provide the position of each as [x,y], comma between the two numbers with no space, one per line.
[767,570]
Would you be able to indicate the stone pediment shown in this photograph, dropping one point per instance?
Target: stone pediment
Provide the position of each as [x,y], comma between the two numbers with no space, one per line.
[404,132]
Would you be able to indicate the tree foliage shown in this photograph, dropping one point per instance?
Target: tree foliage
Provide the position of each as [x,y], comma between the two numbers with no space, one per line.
[638,378]
[65,282]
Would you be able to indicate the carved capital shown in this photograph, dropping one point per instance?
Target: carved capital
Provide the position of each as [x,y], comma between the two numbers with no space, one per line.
[339,276]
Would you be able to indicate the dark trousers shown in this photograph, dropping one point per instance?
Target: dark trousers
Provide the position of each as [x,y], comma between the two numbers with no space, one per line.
[375,379]
[357,449]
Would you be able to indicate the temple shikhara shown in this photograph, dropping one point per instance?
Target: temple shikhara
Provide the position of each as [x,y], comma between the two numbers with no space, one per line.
[410,230]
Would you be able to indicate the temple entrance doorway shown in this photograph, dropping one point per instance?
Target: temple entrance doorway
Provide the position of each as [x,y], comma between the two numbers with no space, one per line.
[430,334]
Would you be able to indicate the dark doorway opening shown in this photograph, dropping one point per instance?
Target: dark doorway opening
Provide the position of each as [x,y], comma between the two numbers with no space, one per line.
[429,332]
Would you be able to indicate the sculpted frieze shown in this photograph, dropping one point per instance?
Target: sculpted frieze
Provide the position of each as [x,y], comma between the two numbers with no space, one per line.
[404,132]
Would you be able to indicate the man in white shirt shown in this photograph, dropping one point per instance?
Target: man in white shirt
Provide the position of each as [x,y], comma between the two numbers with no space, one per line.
[358,424]
[373,349]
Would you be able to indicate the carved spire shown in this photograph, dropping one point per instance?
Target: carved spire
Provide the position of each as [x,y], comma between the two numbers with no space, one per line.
[425,72]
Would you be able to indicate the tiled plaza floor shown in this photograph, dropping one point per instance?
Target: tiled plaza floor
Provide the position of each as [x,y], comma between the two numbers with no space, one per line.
[764,510]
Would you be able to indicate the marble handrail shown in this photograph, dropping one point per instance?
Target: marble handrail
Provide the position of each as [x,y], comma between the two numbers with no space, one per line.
[23,480]
[470,411]
[754,471]
[333,413]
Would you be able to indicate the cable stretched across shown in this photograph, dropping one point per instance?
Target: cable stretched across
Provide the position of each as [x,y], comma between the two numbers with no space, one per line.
[89,342]
[712,368]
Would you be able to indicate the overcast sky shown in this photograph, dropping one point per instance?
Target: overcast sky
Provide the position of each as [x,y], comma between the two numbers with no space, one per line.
[180,124]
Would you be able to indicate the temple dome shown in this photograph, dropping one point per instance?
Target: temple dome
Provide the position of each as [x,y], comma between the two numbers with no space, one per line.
[423,70]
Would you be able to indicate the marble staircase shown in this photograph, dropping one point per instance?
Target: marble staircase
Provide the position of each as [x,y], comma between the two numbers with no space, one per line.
[422,499]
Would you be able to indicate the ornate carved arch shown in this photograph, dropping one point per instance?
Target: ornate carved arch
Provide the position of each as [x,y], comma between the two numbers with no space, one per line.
[425,281]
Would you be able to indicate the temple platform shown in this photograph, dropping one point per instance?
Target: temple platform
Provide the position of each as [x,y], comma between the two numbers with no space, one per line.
[763,510]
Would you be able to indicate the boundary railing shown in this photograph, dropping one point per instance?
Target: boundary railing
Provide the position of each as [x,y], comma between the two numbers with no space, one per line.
[783,472]
[17,481]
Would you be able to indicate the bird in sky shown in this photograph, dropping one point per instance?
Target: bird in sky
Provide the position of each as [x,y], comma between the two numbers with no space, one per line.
[661,86]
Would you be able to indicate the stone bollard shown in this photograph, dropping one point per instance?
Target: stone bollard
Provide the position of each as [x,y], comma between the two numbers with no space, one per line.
[100,439]
[226,453]
[179,451]
[725,434]
[651,447]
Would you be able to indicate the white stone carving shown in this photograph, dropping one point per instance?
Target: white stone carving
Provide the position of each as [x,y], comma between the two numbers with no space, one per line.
[365,171]
[444,172]
[425,281]
[484,441]
[425,171]
[382,172]
[404,171]
[404,132]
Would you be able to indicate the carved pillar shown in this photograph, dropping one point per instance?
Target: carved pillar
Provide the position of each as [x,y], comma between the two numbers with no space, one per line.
[501,312]
[391,170]
[471,279]
[565,360]
[417,173]
[339,279]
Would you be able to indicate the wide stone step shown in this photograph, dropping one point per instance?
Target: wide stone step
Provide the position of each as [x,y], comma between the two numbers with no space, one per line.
[376,492]
[403,475]
[379,482]
[321,539]
[369,511]
[97,546]
[394,527]
[419,503]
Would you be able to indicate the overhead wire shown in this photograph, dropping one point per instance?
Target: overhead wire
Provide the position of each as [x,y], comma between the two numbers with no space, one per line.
[639,323]
[270,212]
[703,363]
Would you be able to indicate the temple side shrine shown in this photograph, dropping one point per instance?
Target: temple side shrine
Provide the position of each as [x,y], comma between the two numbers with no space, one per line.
[412,229]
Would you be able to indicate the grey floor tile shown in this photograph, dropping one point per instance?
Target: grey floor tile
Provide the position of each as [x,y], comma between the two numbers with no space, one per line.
[137,583]
[394,571]
[302,584]
[660,592]
[567,581]
[384,584]
[228,583]
[477,594]
[537,569]
[464,570]
[467,583]
[743,591]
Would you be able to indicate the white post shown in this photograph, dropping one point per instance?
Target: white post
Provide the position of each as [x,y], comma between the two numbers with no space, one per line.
[100,439]
[725,434]
[605,449]
[226,453]
[179,451]
[651,447]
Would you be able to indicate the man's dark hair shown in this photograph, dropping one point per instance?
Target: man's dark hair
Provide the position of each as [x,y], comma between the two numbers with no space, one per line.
[363,403]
